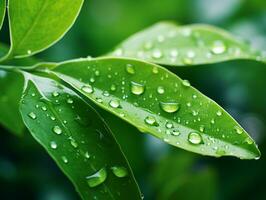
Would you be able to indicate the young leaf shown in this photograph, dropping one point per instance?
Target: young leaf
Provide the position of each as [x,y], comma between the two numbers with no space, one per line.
[2,12]
[158,102]
[77,139]
[37,24]
[11,85]
[168,44]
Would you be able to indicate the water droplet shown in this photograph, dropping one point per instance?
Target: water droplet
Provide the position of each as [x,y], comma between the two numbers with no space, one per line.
[32,115]
[218,47]
[187,61]
[100,100]
[186,83]
[175,132]
[65,160]
[238,130]
[201,128]
[220,152]
[87,89]
[97,73]
[87,155]
[219,113]
[157,54]
[169,125]
[29,52]
[106,94]
[44,108]
[114,103]
[113,87]
[160,89]
[155,70]
[170,107]
[130,69]
[119,171]
[150,120]
[173,53]
[73,143]
[249,140]
[52,118]
[97,178]
[55,94]
[148,45]
[137,88]
[194,138]
[57,130]
[70,101]
[53,145]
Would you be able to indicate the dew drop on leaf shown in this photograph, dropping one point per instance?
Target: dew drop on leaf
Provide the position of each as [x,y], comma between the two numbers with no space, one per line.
[32,115]
[87,155]
[53,145]
[238,130]
[160,90]
[64,158]
[70,101]
[194,138]
[157,54]
[169,125]
[130,69]
[114,103]
[119,171]
[98,178]
[73,143]
[219,113]
[218,47]
[137,88]
[175,132]
[169,107]
[186,83]
[57,130]
[150,120]
[55,94]
[87,89]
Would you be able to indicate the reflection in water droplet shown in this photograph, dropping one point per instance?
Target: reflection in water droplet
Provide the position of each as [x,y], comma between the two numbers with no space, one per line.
[97,178]
[119,171]
[32,115]
[194,138]
[57,130]
[169,107]
[137,88]
[114,103]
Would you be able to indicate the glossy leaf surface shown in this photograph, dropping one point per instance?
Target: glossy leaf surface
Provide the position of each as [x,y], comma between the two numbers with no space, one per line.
[37,24]
[169,44]
[158,102]
[77,139]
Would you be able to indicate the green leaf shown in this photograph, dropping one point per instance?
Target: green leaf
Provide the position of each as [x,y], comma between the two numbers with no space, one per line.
[11,85]
[158,102]
[77,139]
[2,12]
[37,24]
[169,44]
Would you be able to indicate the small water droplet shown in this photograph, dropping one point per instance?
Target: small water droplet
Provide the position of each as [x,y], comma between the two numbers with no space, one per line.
[64,158]
[53,145]
[160,89]
[187,61]
[114,103]
[70,101]
[55,94]
[130,69]
[87,155]
[155,70]
[119,171]
[194,138]
[249,140]
[175,132]
[29,52]
[113,87]
[44,108]
[57,130]
[220,152]
[137,88]
[87,89]
[157,54]
[32,115]
[202,128]
[148,45]
[150,120]
[219,113]
[186,83]
[97,178]
[73,143]
[100,100]
[173,53]
[169,107]
[238,130]
[106,94]
[169,125]
[218,47]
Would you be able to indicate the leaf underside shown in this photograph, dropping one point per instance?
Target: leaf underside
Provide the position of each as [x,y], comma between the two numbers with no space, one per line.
[77,139]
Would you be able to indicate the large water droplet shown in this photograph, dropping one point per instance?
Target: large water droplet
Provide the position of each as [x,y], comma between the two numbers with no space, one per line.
[218,47]
[170,107]
[98,178]
[87,89]
[194,138]
[137,88]
[57,130]
[32,115]
[119,171]
[114,103]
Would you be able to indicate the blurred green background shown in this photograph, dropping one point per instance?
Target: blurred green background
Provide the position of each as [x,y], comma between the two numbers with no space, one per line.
[163,172]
